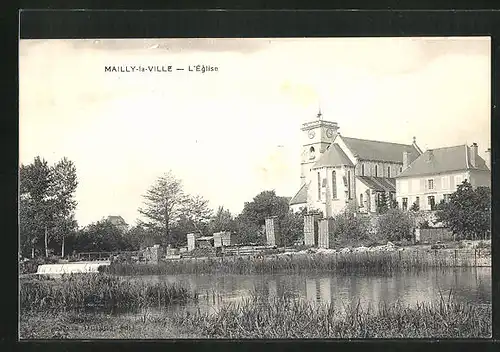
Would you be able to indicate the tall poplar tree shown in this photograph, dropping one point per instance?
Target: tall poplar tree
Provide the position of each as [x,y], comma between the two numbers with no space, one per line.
[46,203]
[62,189]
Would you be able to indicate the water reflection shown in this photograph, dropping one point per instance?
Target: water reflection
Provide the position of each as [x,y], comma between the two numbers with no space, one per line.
[471,285]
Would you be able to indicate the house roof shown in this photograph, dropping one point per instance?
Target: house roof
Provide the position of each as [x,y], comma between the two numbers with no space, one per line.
[334,156]
[443,160]
[382,184]
[366,149]
[116,220]
[301,196]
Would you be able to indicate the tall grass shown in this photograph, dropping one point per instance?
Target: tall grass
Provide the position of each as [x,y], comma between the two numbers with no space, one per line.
[376,262]
[286,318]
[97,291]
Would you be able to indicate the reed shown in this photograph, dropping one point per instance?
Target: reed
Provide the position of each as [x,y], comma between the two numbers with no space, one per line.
[286,318]
[99,292]
[340,263]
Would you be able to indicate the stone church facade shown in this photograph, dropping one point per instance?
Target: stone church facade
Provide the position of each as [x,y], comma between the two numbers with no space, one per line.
[339,172]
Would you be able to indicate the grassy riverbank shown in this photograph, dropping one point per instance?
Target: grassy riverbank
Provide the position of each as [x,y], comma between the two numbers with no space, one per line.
[337,262]
[282,318]
[279,318]
[75,325]
[97,291]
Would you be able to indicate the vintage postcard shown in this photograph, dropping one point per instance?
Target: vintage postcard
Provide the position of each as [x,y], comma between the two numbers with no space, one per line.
[261,188]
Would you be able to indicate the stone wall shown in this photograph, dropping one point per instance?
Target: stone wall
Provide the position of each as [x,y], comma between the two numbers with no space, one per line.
[223,238]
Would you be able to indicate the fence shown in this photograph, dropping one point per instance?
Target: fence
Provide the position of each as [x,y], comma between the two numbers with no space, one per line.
[91,256]
[435,234]
[229,251]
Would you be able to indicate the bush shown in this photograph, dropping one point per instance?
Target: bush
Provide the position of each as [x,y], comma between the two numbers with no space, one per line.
[31,266]
[395,225]
[425,224]
[349,229]
[468,213]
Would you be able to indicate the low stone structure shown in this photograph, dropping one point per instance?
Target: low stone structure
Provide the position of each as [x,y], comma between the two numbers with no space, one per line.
[205,242]
[153,254]
[227,238]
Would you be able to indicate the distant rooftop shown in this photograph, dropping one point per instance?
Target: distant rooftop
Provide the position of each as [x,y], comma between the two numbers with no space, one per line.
[116,220]
[443,160]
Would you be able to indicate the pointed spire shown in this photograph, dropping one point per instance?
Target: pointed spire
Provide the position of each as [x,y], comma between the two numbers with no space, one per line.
[319,113]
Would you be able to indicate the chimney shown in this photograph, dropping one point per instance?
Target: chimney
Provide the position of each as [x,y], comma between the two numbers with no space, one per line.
[406,156]
[430,155]
[488,158]
[473,154]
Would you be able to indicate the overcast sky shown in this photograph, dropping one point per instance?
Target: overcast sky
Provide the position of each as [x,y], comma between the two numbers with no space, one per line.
[233,133]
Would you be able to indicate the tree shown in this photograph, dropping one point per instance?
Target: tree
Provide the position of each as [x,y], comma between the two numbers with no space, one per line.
[382,205]
[197,213]
[292,226]
[140,237]
[415,207]
[252,219]
[47,203]
[468,212]
[101,236]
[395,225]
[34,184]
[349,228]
[164,203]
[222,221]
[63,184]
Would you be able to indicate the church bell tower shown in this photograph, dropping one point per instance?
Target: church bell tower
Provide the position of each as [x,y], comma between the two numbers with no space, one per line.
[317,135]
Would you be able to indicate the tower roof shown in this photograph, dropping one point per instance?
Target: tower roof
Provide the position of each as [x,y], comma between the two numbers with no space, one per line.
[301,196]
[334,156]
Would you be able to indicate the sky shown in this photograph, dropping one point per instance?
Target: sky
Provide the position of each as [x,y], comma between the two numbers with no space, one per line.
[231,134]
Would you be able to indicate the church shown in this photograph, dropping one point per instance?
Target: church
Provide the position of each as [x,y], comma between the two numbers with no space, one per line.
[340,172]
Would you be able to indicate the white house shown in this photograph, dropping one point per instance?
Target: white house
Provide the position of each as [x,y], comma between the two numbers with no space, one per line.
[435,174]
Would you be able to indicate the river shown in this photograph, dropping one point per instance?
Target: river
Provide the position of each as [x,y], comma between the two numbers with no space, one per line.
[466,285]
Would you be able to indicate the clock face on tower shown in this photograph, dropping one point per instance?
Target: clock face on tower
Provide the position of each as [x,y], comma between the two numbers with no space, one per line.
[329,133]
[311,134]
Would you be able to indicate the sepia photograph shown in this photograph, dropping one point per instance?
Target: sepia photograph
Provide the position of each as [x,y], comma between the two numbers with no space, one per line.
[255,188]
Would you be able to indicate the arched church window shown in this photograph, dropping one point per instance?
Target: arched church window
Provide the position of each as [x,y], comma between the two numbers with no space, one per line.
[319,186]
[361,199]
[376,170]
[334,184]
[311,153]
[349,184]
